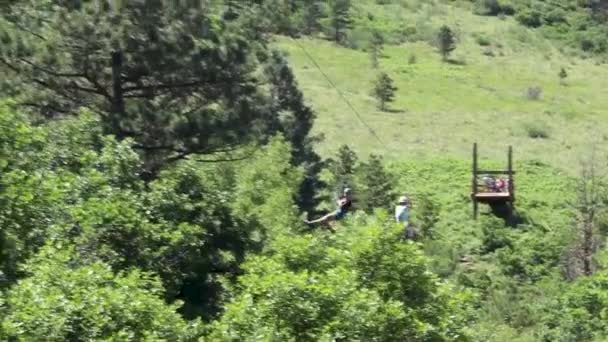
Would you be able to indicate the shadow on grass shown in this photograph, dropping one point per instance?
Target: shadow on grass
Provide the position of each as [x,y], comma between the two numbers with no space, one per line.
[394,111]
[455,61]
[507,212]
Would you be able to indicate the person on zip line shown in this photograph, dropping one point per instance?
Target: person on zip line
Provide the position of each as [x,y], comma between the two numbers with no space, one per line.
[344,204]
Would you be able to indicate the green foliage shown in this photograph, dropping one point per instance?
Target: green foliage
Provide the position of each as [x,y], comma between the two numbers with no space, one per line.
[384,90]
[494,7]
[181,82]
[495,236]
[340,19]
[295,122]
[579,312]
[375,185]
[60,302]
[488,7]
[529,17]
[537,130]
[427,215]
[342,169]
[483,40]
[266,187]
[313,13]
[562,75]
[376,45]
[446,41]
[369,285]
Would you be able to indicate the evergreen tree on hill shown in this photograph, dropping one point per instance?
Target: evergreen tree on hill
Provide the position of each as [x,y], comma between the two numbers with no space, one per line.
[295,123]
[171,76]
[312,15]
[340,18]
[384,90]
[376,184]
[446,41]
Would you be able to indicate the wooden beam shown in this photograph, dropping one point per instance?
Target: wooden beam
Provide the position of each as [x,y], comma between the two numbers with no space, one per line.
[474,181]
[511,173]
[495,172]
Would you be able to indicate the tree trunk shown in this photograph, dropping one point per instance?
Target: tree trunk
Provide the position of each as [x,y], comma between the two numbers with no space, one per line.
[588,246]
[118,104]
[337,37]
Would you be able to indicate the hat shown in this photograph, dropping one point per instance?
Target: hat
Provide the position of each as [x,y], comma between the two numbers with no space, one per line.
[347,190]
[403,199]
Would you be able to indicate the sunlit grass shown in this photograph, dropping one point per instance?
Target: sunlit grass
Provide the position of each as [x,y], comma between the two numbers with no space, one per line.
[442,108]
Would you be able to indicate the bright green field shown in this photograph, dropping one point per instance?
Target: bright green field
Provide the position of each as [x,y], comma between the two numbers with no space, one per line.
[442,108]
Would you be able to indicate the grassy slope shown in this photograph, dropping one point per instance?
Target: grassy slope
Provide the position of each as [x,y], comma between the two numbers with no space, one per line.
[443,108]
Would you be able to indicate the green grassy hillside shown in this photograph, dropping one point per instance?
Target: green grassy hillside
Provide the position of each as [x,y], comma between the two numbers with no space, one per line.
[442,108]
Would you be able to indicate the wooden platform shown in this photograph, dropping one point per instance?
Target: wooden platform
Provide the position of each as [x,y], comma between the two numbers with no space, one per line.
[492,196]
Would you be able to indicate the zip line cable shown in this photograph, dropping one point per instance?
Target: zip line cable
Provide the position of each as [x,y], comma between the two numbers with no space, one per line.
[371,130]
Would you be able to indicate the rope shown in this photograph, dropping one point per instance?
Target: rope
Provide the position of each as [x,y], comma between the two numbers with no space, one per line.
[371,130]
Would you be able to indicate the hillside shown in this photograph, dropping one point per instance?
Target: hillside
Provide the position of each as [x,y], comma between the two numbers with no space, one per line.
[442,108]
[162,176]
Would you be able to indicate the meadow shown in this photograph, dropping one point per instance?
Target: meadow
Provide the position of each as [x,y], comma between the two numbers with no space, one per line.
[442,108]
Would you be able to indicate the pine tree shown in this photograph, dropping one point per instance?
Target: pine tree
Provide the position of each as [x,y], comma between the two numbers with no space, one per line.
[446,41]
[312,15]
[562,75]
[376,45]
[295,124]
[427,214]
[232,9]
[340,18]
[384,90]
[376,184]
[179,82]
[343,168]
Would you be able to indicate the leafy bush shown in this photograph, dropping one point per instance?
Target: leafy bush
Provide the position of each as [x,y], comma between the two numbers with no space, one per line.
[483,40]
[495,236]
[493,8]
[412,59]
[530,17]
[372,286]
[60,302]
[555,16]
[488,7]
[534,93]
[537,130]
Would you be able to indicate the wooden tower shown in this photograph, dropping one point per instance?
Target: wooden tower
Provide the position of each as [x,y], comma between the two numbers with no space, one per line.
[481,193]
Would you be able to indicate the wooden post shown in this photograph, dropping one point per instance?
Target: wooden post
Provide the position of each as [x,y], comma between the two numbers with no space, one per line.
[511,188]
[474,182]
[118,104]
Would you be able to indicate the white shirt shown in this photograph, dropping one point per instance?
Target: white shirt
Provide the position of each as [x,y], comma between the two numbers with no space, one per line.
[402,213]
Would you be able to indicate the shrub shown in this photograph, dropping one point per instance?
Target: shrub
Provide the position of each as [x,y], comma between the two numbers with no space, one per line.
[483,40]
[412,59]
[533,93]
[488,7]
[537,130]
[507,9]
[530,18]
[488,52]
[555,16]
[494,8]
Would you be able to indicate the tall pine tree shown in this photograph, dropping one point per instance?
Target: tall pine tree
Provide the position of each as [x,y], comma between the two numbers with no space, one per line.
[340,18]
[376,45]
[169,75]
[295,123]
[376,185]
[384,90]
[446,41]
[343,169]
[313,13]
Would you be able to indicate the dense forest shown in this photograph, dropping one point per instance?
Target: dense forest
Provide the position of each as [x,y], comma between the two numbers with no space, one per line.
[159,161]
